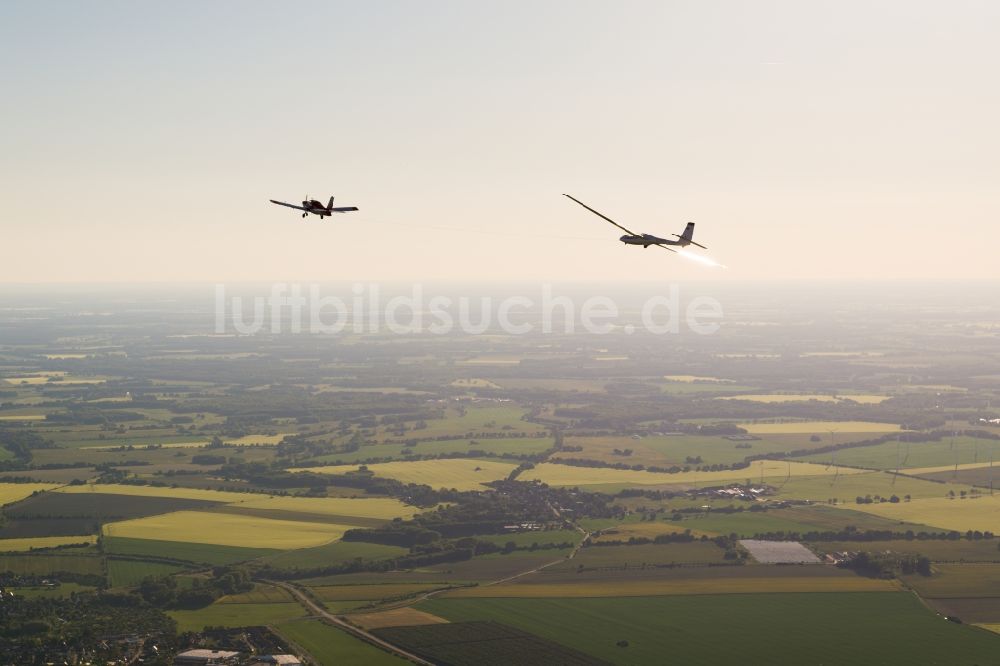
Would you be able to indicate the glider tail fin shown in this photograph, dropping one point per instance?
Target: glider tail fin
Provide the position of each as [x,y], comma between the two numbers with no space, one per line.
[688,232]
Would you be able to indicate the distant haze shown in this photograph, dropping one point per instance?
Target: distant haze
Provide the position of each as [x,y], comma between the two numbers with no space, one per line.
[808,141]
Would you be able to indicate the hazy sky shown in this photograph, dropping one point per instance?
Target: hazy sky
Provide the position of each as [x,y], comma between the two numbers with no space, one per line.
[141,141]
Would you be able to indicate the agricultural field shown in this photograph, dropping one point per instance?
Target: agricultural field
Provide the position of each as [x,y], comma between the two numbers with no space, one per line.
[800,519]
[46,564]
[516,446]
[488,643]
[950,551]
[330,646]
[599,557]
[236,615]
[641,581]
[778,398]
[32,543]
[329,554]
[859,627]
[457,473]
[821,428]
[126,573]
[212,459]
[943,454]
[15,492]
[973,513]
[771,471]
[846,488]
[227,529]
[199,553]
[968,591]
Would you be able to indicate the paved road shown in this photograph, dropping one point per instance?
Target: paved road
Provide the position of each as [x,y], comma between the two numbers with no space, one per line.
[358,632]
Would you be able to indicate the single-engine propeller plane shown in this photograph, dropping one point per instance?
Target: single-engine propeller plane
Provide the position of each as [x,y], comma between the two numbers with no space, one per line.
[316,208]
[631,238]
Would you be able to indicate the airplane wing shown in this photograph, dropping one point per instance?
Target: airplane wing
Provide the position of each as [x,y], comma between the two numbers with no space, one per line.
[665,247]
[282,203]
[631,233]
[343,209]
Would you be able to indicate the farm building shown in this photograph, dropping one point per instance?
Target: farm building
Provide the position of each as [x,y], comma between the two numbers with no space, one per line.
[204,657]
[277,660]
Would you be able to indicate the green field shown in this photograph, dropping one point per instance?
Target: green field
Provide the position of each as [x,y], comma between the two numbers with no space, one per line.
[819,518]
[596,557]
[236,615]
[496,447]
[938,550]
[31,543]
[330,646]
[846,488]
[772,471]
[890,455]
[200,553]
[822,428]
[332,553]
[42,565]
[794,629]
[126,573]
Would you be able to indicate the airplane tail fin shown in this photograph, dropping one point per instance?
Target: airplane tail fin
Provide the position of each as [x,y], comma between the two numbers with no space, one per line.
[330,205]
[688,236]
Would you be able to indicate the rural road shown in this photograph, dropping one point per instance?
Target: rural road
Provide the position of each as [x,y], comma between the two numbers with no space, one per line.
[319,611]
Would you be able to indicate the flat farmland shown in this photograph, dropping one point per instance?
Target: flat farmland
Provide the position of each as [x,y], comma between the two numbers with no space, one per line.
[227,529]
[38,564]
[333,553]
[333,647]
[695,552]
[982,513]
[29,543]
[379,508]
[831,628]
[773,471]
[480,643]
[457,473]
[15,492]
[99,506]
[369,592]
[199,553]
[938,550]
[475,419]
[694,581]
[778,398]
[959,580]
[161,491]
[491,446]
[819,518]
[906,455]
[126,573]
[821,428]
[615,530]
[236,615]
[846,488]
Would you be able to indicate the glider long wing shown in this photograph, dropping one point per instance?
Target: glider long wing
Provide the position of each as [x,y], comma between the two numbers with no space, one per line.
[602,216]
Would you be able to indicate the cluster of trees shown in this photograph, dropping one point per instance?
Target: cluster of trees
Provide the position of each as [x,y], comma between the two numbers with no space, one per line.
[163,592]
[888,565]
